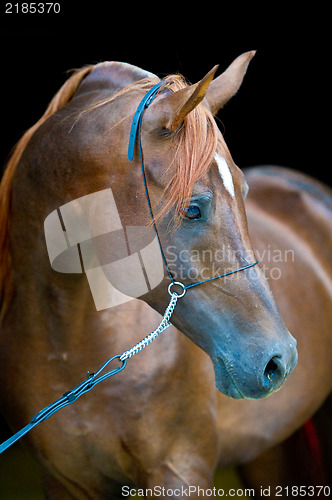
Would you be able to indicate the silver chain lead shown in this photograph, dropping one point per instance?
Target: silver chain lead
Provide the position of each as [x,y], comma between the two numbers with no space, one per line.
[149,338]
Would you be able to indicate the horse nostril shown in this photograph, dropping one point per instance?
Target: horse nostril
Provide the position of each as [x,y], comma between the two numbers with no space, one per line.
[270,369]
[274,373]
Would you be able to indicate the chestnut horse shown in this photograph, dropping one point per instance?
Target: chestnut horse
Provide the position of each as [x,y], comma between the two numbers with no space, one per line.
[162,422]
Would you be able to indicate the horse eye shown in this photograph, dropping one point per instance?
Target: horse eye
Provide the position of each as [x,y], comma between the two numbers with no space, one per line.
[192,212]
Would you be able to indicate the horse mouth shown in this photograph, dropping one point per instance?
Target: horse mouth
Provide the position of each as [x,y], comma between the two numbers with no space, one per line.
[251,385]
[224,381]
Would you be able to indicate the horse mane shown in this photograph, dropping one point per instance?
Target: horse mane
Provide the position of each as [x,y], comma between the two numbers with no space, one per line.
[59,100]
[196,143]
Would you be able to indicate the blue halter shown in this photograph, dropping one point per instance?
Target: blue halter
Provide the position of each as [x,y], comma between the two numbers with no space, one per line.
[134,132]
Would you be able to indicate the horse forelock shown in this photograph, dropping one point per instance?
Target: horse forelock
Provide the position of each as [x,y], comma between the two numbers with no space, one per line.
[197,140]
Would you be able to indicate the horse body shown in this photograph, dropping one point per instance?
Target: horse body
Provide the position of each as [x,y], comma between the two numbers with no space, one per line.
[163,423]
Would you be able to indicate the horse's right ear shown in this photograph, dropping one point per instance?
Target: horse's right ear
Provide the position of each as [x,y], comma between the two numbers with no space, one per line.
[113,76]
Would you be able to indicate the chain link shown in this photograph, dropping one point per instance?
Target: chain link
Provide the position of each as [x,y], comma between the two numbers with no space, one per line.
[149,338]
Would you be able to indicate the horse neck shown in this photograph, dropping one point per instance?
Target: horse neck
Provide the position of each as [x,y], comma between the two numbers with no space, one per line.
[58,306]
[56,168]
[48,306]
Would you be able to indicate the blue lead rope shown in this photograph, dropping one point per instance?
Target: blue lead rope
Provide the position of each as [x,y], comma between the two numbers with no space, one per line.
[68,398]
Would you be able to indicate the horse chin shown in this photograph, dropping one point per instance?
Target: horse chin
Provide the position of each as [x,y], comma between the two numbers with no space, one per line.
[227,384]
[224,382]
[228,389]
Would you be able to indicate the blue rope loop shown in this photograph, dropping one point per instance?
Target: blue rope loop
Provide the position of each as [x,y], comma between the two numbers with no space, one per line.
[68,398]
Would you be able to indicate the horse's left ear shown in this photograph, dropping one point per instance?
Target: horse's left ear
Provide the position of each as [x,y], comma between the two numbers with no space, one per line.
[228,83]
[172,109]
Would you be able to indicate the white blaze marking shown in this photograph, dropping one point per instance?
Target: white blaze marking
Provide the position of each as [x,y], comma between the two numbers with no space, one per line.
[225,174]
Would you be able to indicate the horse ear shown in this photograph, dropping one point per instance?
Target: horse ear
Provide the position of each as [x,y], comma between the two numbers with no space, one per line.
[112,75]
[228,83]
[173,108]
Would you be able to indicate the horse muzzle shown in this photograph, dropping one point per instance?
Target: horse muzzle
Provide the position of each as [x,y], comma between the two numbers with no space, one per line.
[255,375]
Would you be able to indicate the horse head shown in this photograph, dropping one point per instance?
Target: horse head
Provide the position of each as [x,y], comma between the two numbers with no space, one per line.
[197,197]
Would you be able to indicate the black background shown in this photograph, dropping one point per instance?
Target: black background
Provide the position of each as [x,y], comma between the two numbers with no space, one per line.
[278,117]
